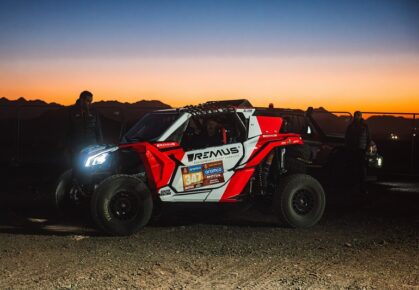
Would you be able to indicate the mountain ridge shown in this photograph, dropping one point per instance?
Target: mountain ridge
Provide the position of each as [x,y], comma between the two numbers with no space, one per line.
[23,102]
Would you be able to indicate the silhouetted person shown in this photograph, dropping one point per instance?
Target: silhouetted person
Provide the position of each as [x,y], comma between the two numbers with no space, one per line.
[84,124]
[307,114]
[191,138]
[212,136]
[271,112]
[357,139]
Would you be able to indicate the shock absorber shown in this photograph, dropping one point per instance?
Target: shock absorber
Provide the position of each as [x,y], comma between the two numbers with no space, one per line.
[260,180]
[264,172]
[282,161]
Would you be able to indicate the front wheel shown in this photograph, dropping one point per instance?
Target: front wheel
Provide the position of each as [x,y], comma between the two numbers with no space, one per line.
[299,201]
[61,200]
[121,205]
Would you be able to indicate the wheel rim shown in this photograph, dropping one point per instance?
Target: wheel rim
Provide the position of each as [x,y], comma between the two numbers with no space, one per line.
[124,205]
[303,201]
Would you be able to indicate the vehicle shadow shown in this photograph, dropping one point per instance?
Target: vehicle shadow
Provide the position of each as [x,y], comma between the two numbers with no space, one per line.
[43,221]
[386,206]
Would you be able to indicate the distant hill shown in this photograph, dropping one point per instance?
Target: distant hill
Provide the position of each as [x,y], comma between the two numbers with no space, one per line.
[23,102]
[142,103]
[382,126]
[32,108]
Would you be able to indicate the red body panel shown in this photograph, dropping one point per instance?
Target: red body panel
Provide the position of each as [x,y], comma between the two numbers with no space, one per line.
[266,144]
[237,184]
[158,165]
[269,125]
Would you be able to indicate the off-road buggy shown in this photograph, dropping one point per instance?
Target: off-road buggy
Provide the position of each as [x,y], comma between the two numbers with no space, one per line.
[217,152]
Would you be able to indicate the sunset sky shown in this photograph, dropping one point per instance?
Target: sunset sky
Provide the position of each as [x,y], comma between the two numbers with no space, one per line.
[342,55]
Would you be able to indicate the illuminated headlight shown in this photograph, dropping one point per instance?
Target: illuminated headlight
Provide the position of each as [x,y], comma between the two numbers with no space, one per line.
[380,162]
[376,162]
[99,158]
[96,160]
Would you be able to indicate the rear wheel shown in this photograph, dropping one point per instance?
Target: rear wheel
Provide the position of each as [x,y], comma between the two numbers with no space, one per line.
[121,205]
[299,201]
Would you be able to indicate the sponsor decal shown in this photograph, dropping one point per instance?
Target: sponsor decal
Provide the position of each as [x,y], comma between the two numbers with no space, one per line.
[212,153]
[163,145]
[202,175]
[269,135]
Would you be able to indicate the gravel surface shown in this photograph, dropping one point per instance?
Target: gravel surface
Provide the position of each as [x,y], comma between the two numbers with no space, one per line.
[353,247]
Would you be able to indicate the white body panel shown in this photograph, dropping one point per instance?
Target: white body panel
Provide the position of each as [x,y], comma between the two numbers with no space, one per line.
[204,171]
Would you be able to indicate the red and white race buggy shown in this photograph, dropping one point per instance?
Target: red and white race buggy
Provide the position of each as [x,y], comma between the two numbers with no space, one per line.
[220,152]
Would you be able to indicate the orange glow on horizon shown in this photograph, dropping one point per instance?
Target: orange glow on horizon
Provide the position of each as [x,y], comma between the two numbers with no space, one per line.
[336,83]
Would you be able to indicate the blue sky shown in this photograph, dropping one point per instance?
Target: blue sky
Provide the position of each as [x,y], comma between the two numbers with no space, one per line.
[201,28]
[358,54]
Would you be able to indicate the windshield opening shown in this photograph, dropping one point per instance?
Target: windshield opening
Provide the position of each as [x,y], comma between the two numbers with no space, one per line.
[150,127]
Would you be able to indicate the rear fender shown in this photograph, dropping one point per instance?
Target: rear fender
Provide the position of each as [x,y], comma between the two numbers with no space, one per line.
[266,144]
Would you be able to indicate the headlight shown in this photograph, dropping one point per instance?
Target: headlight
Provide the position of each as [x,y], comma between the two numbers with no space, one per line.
[376,161]
[98,158]
[380,162]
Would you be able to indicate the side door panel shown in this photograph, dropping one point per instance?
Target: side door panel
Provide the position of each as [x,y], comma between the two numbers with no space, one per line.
[206,169]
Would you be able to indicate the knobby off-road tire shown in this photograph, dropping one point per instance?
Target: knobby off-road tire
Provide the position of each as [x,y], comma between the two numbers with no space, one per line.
[61,201]
[121,205]
[299,201]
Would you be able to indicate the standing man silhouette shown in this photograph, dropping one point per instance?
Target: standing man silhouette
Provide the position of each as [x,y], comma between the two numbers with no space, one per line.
[84,124]
[357,140]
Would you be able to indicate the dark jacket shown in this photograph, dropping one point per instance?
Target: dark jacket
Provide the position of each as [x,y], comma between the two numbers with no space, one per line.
[84,128]
[357,135]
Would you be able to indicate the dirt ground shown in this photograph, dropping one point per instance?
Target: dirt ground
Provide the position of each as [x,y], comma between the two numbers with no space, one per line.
[362,246]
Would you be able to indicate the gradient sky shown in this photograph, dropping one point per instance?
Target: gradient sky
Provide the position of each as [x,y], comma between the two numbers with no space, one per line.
[343,55]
